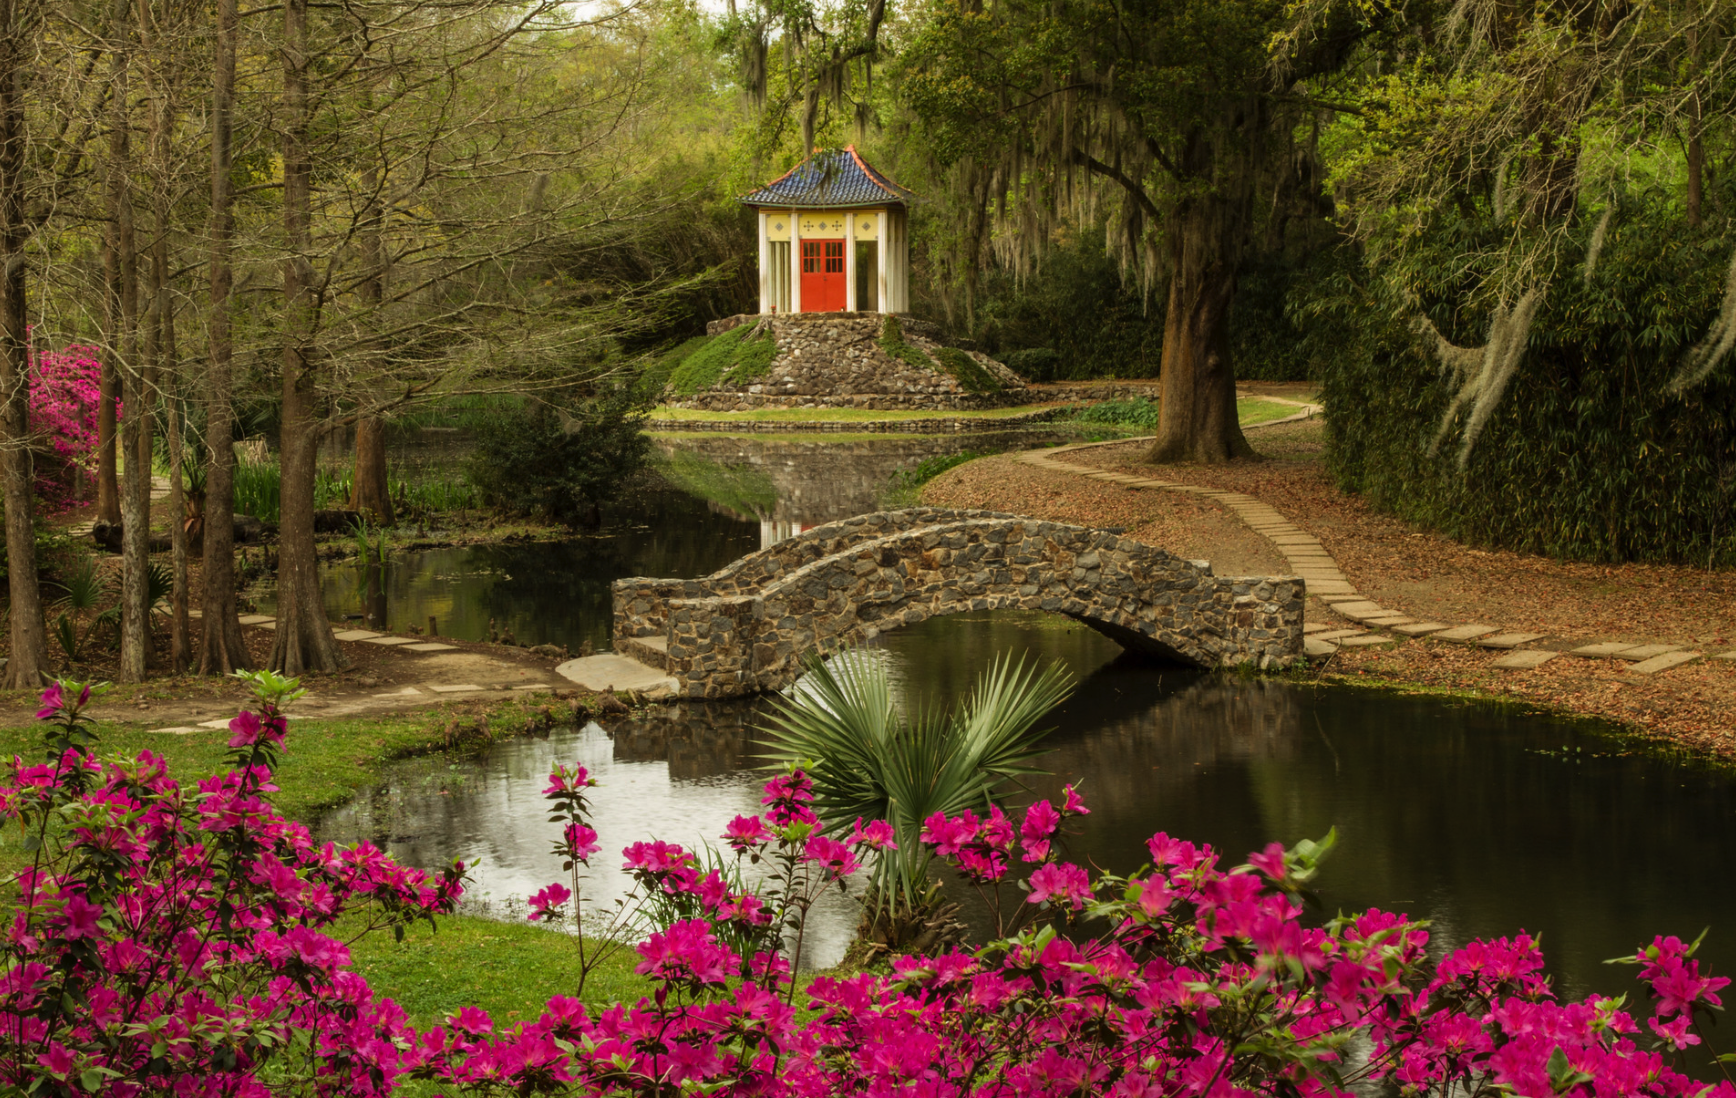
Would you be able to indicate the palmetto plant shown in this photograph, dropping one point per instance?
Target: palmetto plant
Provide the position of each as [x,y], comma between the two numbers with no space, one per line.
[871,762]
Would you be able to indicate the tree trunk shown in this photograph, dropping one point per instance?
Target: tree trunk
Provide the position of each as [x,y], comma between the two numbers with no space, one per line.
[1197,387]
[303,640]
[161,352]
[108,496]
[372,492]
[222,650]
[29,639]
[136,491]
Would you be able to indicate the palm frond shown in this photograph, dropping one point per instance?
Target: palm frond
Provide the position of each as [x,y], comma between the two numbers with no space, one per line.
[869,762]
[84,587]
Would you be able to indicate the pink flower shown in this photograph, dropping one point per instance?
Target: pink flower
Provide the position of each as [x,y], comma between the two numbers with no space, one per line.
[789,797]
[80,917]
[746,831]
[1073,806]
[565,779]
[52,702]
[1674,1031]
[831,855]
[876,836]
[473,1020]
[581,842]
[948,836]
[547,902]
[1269,861]
[686,953]
[247,729]
[1041,820]
[1060,883]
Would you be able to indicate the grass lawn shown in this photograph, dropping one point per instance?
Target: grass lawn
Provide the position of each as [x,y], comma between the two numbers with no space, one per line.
[1254,410]
[836,415]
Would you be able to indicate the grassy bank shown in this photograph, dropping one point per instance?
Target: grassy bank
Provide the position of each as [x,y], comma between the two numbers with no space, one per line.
[511,970]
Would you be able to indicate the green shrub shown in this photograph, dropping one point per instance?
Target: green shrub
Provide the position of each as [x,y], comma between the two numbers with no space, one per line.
[892,342]
[905,488]
[738,355]
[1588,456]
[1034,363]
[1133,412]
[562,465]
[967,371]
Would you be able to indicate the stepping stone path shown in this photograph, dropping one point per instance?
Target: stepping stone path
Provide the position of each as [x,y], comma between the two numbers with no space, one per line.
[357,636]
[1308,558]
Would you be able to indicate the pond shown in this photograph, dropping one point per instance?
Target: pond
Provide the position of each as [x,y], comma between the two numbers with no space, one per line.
[717,498]
[1480,817]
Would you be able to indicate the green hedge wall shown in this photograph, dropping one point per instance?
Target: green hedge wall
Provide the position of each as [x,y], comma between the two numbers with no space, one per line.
[1588,457]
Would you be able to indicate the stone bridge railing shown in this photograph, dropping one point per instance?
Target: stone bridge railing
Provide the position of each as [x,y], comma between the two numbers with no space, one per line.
[750,626]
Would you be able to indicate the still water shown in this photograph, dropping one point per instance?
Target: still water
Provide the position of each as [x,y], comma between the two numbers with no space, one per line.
[1482,818]
[1478,817]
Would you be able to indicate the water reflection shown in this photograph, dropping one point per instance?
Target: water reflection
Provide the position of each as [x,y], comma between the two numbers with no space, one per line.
[1479,817]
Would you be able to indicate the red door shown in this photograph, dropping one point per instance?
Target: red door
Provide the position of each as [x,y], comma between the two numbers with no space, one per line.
[822,276]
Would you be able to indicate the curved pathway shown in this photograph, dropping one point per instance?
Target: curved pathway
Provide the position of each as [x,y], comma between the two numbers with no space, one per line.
[1310,560]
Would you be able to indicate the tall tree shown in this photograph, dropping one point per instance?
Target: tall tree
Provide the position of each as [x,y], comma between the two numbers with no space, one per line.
[1169,116]
[222,649]
[29,639]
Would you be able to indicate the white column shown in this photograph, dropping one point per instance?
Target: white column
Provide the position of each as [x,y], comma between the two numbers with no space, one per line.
[765,272]
[795,261]
[850,261]
[880,248]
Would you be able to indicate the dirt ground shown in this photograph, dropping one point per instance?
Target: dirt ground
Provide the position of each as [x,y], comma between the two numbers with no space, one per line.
[1422,574]
[378,680]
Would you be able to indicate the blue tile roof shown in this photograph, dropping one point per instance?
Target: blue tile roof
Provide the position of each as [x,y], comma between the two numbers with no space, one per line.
[835,178]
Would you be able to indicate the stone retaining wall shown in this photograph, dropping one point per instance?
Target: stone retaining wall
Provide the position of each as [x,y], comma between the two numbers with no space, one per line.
[750,627]
[931,425]
[834,360]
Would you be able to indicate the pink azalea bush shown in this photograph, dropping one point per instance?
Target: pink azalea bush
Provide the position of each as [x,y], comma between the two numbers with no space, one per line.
[176,940]
[172,941]
[65,395]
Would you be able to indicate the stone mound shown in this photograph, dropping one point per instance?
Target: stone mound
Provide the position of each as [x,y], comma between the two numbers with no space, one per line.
[844,360]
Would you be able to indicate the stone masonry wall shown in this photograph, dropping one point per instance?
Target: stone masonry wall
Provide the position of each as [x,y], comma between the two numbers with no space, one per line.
[752,630]
[834,360]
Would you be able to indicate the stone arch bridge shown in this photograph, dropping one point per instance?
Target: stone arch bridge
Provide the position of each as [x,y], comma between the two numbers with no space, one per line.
[750,626]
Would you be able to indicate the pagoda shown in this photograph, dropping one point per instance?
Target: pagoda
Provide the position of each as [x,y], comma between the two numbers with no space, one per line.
[833,237]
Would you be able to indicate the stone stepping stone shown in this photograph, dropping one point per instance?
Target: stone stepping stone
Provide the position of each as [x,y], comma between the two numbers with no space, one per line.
[1725,656]
[1642,652]
[1317,649]
[1338,634]
[1420,629]
[255,619]
[1359,610]
[385,640]
[431,646]
[355,635]
[1524,659]
[407,692]
[1464,633]
[1509,640]
[222,723]
[1601,651]
[178,730]
[1367,641]
[608,671]
[1388,620]
[1315,627]
[455,688]
[1663,662]
[1334,600]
